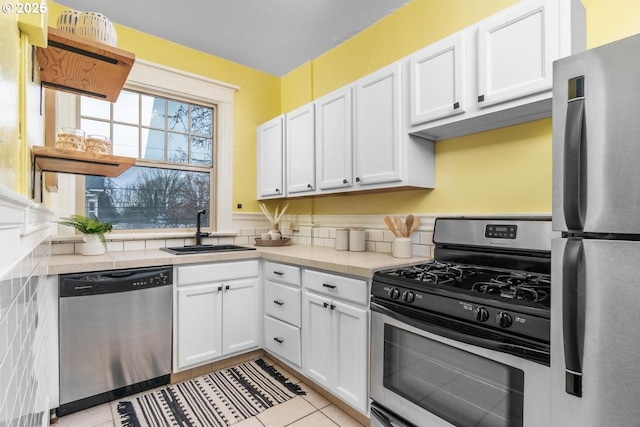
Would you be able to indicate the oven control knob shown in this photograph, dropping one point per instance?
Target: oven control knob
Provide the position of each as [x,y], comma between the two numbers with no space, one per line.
[394,293]
[481,314]
[504,320]
[408,297]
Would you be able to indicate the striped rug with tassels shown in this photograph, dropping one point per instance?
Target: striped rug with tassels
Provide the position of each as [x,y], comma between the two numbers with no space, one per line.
[221,398]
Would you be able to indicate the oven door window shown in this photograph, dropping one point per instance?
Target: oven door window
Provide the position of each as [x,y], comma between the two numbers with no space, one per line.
[459,387]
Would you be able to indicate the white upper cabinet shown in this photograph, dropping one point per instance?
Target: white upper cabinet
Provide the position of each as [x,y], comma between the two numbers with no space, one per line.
[334,140]
[300,143]
[270,159]
[437,75]
[516,49]
[505,62]
[379,129]
[386,156]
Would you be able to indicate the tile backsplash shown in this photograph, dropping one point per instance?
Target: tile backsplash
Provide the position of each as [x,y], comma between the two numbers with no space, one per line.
[24,363]
[377,239]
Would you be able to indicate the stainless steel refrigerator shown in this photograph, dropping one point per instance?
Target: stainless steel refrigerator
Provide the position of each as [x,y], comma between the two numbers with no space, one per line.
[595,306]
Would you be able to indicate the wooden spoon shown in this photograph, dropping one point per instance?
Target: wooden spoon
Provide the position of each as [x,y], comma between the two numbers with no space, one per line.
[390,225]
[416,223]
[398,223]
[409,222]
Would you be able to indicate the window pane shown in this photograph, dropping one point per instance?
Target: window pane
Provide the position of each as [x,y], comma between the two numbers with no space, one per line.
[126,108]
[178,116]
[153,111]
[125,140]
[201,151]
[95,108]
[144,197]
[152,144]
[94,127]
[177,148]
[201,122]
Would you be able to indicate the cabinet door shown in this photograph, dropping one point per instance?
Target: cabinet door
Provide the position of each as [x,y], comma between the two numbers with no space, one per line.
[199,324]
[301,156]
[270,140]
[516,48]
[379,127]
[334,140]
[351,353]
[437,75]
[317,335]
[241,315]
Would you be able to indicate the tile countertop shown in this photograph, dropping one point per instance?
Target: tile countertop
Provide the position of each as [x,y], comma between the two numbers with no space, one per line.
[361,264]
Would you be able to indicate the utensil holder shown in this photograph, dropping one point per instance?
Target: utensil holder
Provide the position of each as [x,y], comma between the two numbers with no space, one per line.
[402,247]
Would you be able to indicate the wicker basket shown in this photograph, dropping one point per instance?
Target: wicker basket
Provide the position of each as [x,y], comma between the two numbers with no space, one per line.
[98,27]
[285,241]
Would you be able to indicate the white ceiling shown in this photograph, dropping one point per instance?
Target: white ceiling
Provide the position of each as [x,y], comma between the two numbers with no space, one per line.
[274,36]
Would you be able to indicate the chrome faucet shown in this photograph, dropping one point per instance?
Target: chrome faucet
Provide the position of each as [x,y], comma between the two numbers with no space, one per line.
[198,233]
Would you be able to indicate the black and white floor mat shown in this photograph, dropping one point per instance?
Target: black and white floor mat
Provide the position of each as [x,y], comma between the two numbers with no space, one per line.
[221,398]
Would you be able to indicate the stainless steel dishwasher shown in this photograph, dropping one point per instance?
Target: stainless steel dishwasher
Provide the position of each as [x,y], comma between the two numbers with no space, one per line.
[115,334]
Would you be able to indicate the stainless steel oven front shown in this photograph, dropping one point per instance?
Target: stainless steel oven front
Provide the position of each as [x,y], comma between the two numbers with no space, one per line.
[425,379]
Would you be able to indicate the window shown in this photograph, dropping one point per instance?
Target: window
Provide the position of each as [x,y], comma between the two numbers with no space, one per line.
[180,153]
[166,136]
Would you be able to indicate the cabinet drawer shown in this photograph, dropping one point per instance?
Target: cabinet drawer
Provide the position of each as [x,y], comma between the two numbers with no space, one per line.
[216,272]
[282,302]
[282,273]
[347,288]
[282,340]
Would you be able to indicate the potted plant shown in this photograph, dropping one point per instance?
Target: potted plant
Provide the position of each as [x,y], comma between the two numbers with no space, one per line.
[94,231]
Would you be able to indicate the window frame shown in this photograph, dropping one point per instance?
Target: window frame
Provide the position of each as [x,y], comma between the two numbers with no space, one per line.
[168,82]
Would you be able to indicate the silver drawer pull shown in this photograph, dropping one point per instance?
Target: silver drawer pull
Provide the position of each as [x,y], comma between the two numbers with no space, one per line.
[278,340]
[278,273]
[278,302]
[326,285]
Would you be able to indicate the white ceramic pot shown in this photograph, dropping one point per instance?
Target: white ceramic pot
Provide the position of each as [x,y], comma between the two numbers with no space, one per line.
[402,247]
[92,245]
[275,234]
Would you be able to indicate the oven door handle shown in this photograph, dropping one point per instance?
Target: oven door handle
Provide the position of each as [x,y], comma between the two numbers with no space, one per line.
[445,332]
[386,419]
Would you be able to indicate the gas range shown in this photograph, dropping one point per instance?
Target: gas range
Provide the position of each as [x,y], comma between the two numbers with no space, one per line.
[490,275]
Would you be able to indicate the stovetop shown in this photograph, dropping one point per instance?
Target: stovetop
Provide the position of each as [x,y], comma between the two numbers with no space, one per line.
[511,287]
[511,302]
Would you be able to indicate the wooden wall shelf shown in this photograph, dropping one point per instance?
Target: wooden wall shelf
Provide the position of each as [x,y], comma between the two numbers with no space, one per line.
[50,159]
[83,66]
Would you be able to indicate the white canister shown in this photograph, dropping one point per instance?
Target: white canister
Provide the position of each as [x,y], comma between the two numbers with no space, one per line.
[265,236]
[402,247]
[342,239]
[275,235]
[357,240]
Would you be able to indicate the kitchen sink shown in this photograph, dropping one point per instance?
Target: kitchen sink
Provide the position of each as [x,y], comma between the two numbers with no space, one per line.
[199,249]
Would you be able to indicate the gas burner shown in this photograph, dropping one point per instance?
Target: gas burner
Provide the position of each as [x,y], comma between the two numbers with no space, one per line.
[516,286]
[437,273]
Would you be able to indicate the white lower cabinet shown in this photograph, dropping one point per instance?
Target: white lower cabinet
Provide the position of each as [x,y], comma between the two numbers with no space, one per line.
[282,311]
[217,312]
[335,346]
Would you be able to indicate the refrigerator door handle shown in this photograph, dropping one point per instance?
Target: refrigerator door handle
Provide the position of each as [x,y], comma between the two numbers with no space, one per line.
[573,193]
[572,322]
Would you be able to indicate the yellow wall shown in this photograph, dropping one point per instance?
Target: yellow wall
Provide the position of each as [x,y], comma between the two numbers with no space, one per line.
[502,171]
[10,145]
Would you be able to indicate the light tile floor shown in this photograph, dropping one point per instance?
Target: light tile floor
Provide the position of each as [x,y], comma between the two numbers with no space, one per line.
[310,410]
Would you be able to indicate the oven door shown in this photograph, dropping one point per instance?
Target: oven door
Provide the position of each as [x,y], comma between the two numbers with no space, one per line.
[431,381]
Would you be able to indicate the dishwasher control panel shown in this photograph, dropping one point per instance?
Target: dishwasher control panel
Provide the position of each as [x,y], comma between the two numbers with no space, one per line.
[104,282]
